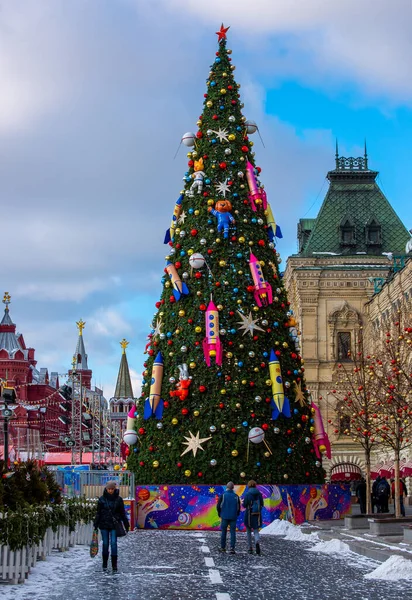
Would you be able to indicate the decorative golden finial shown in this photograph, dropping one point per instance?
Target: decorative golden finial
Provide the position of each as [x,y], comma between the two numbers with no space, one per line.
[80,326]
[124,343]
[6,299]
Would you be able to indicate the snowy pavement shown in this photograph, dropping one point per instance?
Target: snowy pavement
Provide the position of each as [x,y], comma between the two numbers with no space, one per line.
[186,565]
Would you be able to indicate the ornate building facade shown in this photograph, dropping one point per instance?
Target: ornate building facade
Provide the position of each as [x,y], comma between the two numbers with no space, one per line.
[351,244]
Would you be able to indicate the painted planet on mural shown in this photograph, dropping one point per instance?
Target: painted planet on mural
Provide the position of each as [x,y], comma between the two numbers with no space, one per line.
[184,518]
[143,494]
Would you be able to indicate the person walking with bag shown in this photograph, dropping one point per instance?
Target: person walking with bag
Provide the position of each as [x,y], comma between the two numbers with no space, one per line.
[253,504]
[228,509]
[112,521]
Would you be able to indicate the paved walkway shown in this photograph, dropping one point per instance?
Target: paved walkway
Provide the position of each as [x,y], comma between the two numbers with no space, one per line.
[184,565]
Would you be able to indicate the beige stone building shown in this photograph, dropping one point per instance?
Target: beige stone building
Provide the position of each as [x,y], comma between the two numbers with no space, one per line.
[346,255]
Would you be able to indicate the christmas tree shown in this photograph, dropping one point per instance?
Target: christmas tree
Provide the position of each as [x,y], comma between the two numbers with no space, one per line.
[223,396]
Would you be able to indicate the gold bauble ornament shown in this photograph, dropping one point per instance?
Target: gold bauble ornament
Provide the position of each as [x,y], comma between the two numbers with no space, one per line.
[285,344]
[239,301]
[267,454]
[241,346]
[190,252]
[312,429]
[237,404]
[222,263]
[251,143]
[256,369]
[210,202]
[223,91]
[250,243]
[196,413]
[223,426]
[177,331]
[198,293]
[231,137]
[285,476]
[197,213]
[235,453]
[198,329]
[219,307]
[188,473]
[217,240]
[174,421]
[255,308]
[192,365]
[209,104]
[268,382]
[181,313]
[198,123]
[224,74]
[189,155]
[171,353]
[241,240]
[229,354]
[240,272]
[244,382]
[243,474]
[167,284]
[155,464]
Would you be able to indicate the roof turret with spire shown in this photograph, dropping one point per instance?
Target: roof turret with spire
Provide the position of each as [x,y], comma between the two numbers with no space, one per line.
[355,217]
[123,398]
[80,357]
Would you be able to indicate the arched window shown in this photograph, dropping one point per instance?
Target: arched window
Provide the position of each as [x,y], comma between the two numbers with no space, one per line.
[344,345]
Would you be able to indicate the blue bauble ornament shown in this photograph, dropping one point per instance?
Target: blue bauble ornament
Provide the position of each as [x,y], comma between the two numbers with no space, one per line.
[265,354]
[233,163]
[217,59]
[235,291]
[290,450]
[191,211]
[275,324]
[207,181]
[240,364]
[245,424]
[169,334]
[295,411]
[233,331]
[238,128]
[235,195]
[183,253]
[258,464]
[213,83]
[296,371]
[222,107]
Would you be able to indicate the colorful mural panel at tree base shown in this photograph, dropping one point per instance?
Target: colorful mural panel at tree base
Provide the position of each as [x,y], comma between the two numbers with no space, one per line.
[194,506]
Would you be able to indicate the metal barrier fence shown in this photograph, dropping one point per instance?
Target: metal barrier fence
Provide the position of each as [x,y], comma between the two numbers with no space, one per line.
[91,483]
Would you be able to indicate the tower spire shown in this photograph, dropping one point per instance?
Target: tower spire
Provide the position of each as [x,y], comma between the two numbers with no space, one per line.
[124,383]
[337,154]
[80,357]
[365,155]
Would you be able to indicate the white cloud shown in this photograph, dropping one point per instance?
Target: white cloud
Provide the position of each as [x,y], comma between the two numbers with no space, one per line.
[109,322]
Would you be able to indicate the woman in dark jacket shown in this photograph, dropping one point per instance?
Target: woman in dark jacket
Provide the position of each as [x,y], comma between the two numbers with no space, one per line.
[253,504]
[110,509]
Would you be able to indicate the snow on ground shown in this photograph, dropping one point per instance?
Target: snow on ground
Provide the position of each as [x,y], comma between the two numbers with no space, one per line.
[393,569]
[335,547]
[51,574]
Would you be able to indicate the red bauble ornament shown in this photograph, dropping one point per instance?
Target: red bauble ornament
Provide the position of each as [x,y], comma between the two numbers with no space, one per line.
[233,430]
[199,135]
[230,87]
[222,165]
[178,246]
[258,169]
[261,243]
[169,343]
[127,451]
[151,352]
[158,305]
[172,300]
[245,149]
[251,383]
[151,448]
[166,404]
[265,426]
[250,288]
[221,405]
[233,102]
[231,313]
[179,465]
[142,431]
[198,275]
[200,474]
[217,284]
[234,238]
[215,117]
[253,415]
[190,163]
[190,321]
[184,411]
[202,389]
[268,400]
[141,463]
[178,264]
[209,251]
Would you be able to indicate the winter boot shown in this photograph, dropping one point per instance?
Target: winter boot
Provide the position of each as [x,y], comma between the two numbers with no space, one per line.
[114,564]
[105,559]
[258,548]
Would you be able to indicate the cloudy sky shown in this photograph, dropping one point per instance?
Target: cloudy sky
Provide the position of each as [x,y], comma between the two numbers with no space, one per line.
[95,95]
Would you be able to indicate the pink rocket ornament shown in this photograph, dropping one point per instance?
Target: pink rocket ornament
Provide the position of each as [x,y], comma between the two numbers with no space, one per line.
[212,346]
[257,196]
[263,290]
[320,437]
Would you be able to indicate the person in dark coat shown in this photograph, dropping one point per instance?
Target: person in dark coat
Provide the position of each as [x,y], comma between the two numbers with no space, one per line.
[228,509]
[252,518]
[375,501]
[110,509]
[383,492]
[361,495]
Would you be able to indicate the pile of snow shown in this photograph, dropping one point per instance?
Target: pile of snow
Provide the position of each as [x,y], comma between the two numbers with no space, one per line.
[393,569]
[277,527]
[293,533]
[331,547]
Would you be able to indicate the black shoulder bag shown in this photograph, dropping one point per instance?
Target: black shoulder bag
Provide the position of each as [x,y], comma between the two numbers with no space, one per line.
[118,525]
